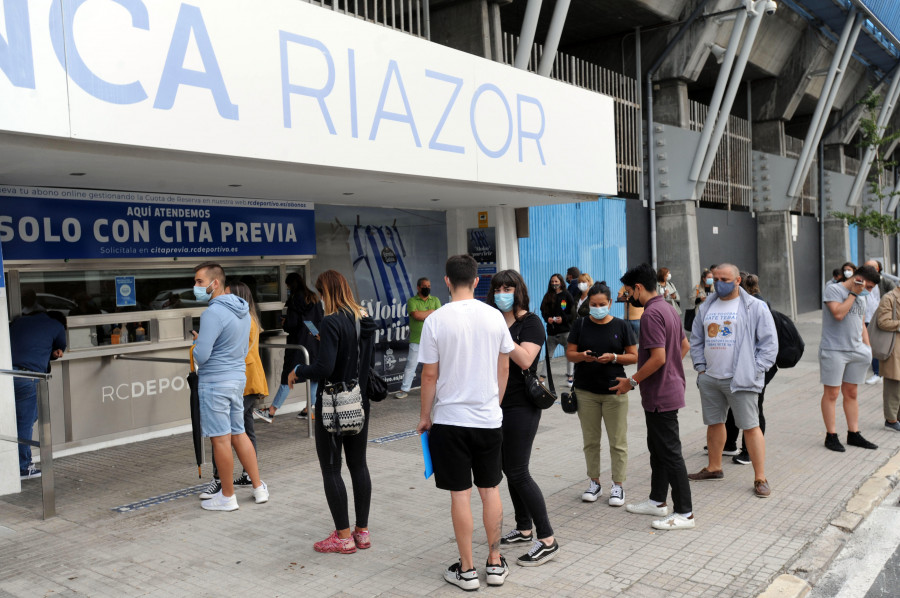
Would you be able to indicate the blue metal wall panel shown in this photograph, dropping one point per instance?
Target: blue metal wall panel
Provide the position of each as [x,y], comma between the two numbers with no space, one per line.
[590,235]
[887,11]
[854,244]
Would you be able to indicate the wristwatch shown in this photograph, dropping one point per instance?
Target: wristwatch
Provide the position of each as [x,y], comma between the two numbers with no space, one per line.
[633,382]
[615,358]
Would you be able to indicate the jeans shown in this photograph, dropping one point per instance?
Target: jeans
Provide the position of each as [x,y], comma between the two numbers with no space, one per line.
[26,415]
[249,401]
[284,390]
[667,466]
[520,426]
[412,362]
[553,341]
[328,449]
[636,326]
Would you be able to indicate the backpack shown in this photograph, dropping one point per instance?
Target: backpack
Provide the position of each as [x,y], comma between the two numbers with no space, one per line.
[790,343]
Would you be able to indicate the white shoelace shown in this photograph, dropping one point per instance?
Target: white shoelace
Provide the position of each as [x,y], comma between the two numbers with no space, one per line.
[535,547]
[595,487]
[616,492]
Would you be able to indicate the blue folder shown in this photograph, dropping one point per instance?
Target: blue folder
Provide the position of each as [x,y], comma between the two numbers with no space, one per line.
[426,453]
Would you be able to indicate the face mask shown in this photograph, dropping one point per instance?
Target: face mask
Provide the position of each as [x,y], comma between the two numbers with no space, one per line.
[555,285]
[709,282]
[598,313]
[203,294]
[633,301]
[724,289]
[863,292]
[504,301]
[425,291]
[583,286]
[668,277]
[848,273]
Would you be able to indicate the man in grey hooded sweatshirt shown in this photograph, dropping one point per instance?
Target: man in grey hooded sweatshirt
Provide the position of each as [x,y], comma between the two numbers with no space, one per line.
[733,344]
[219,351]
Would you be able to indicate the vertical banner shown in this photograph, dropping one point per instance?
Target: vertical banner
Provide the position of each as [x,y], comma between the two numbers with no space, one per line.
[482,245]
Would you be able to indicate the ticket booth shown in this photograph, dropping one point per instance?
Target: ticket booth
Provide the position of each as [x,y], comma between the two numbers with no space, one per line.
[120,269]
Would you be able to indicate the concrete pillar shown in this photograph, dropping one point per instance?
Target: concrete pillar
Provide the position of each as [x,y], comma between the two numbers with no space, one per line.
[834,158]
[837,244]
[677,242]
[464,25]
[9,451]
[768,137]
[775,260]
[670,103]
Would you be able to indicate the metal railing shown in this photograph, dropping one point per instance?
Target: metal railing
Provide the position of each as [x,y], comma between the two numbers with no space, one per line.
[409,16]
[730,180]
[627,105]
[45,442]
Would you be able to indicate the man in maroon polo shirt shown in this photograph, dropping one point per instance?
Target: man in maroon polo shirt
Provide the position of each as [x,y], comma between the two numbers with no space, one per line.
[662,346]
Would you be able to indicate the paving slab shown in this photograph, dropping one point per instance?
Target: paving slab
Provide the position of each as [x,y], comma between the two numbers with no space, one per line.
[174,548]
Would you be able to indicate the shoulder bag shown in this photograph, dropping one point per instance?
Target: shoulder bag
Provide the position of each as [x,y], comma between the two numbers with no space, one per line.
[882,341]
[342,403]
[540,396]
[567,400]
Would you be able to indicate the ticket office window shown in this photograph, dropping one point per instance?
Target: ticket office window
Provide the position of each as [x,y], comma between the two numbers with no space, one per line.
[93,292]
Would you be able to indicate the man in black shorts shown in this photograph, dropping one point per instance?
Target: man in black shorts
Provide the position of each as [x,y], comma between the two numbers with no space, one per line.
[464,349]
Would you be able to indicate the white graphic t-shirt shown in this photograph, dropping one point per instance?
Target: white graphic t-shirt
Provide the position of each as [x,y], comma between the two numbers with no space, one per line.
[719,325]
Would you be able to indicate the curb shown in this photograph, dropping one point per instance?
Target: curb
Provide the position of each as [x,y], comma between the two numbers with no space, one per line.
[805,571]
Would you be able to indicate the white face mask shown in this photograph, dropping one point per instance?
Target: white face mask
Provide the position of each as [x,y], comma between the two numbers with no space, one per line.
[668,277]
[583,286]
[848,273]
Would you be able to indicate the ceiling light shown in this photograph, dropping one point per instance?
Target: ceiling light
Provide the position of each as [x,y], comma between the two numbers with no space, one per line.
[435,199]
[77,173]
[235,185]
[347,194]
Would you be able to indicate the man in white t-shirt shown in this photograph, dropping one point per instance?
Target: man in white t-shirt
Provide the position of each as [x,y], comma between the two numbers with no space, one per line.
[464,351]
[733,344]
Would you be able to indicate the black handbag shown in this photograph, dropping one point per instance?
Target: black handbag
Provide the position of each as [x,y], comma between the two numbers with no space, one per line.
[539,395]
[376,389]
[569,402]
[689,315]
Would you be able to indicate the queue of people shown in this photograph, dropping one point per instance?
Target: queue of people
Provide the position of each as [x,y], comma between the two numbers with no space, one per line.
[480,363]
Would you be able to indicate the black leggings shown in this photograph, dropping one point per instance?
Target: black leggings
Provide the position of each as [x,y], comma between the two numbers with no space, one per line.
[520,424]
[249,402]
[328,448]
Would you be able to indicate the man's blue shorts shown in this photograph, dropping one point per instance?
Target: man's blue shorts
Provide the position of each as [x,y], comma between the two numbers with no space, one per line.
[222,407]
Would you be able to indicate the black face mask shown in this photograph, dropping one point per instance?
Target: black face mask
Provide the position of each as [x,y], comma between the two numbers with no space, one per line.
[632,300]
[425,291]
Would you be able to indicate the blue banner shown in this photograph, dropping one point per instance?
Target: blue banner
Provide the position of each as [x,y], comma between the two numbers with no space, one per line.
[52,224]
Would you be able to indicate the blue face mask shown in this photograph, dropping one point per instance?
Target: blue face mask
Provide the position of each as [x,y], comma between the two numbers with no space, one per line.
[504,301]
[724,289]
[708,282]
[598,313]
[202,294]
[863,292]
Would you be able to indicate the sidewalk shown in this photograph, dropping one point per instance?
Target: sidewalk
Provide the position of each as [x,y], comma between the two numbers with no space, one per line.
[174,548]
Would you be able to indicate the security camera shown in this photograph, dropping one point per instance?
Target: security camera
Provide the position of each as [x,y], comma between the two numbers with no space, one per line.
[771,7]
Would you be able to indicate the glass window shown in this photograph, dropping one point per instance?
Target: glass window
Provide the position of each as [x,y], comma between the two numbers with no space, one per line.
[87,292]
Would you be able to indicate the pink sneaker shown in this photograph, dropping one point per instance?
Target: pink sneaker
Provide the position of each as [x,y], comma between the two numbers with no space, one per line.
[362,539]
[335,544]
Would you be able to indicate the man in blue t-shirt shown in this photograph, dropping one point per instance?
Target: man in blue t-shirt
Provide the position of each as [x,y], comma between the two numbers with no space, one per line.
[34,340]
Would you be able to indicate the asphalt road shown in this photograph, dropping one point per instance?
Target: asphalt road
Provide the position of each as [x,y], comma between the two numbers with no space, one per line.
[869,564]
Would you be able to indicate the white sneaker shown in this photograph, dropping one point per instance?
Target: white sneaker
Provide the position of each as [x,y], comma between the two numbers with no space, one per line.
[261,494]
[674,521]
[647,508]
[401,395]
[219,502]
[593,492]
[874,379]
[616,496]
